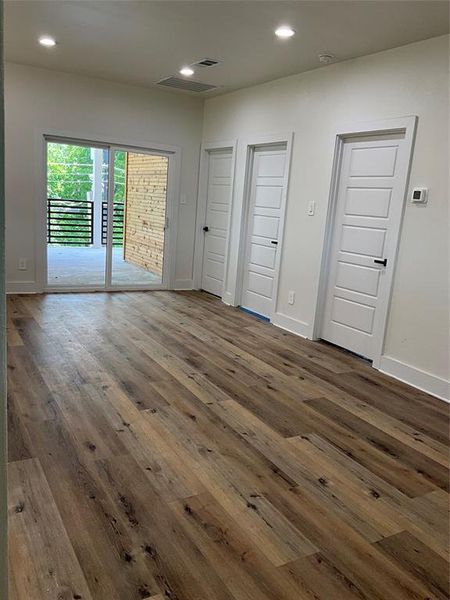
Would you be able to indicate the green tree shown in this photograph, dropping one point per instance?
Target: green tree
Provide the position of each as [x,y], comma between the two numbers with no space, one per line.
[119,176]
[70,174]
[69,171]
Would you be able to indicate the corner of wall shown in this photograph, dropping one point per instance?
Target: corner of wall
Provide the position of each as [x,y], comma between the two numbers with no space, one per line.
[228,299]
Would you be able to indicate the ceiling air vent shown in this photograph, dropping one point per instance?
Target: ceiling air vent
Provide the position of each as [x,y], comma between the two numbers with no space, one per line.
[206,62]
[185,84]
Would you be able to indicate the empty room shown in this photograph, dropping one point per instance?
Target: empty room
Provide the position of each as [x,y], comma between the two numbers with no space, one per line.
[224,300]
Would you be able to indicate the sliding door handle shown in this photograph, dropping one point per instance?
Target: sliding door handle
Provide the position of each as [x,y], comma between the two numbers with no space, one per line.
[274,242]
[381,262]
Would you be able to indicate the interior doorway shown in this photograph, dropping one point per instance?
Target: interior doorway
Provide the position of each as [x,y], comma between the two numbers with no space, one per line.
[264,226]
[215,229]
[106,217]
[363,236]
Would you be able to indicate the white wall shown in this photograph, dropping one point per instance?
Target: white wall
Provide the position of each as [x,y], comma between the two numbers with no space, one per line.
[404,81]
[411,80]
[43,100]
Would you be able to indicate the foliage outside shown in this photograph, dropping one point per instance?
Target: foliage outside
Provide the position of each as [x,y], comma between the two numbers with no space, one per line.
[70,177]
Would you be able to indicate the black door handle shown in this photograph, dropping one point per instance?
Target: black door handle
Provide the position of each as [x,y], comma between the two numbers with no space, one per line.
[206,228]
[274,242]
[381,262]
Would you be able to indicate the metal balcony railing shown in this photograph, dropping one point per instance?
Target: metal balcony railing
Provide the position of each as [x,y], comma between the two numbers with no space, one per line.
[70,222]
[117,223]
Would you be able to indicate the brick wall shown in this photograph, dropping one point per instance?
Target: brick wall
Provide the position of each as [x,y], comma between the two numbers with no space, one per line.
[145,208]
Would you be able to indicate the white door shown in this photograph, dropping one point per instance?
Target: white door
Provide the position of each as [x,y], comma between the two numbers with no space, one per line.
[218,203]
[266,198]
[365,233]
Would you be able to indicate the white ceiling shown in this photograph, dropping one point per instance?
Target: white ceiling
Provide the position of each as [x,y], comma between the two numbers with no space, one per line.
[142,42]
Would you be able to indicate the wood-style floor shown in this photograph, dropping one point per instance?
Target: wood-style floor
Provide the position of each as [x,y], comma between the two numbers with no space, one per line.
[165,446]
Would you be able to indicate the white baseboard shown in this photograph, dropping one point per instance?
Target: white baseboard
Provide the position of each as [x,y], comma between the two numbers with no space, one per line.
[432,384]
[436,386]
[184,284]
[290,324]
[29,287]
[21,287]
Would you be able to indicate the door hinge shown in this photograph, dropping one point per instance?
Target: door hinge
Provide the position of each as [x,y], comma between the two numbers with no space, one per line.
[166,223]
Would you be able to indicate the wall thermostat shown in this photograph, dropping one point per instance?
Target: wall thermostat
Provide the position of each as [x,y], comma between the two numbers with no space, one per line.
[419,195]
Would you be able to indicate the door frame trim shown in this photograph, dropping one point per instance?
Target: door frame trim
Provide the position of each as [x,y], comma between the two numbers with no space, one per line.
[406,125]
[42,136]
[205,151]
[250,144]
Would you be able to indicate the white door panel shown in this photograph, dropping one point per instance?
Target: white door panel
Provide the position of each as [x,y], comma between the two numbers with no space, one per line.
[257,303]
[353,314]
[268,196]
[358,278]
[373,161]
[217,219]
[215,268]
[220,198]
[263,256]
[271,164]
[365,229]
[222,166]
[352,296]
[216,244]
[368,202]
[267,190]
[260,284]
[218,203]
[212,284]
[265,226]
[362,240]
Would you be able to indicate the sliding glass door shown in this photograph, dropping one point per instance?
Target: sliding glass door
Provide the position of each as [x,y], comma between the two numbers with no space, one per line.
[139,218]
[77,188]
[106,217]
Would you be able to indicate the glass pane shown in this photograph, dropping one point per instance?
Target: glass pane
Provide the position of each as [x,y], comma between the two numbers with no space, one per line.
[140,195]
[77,181]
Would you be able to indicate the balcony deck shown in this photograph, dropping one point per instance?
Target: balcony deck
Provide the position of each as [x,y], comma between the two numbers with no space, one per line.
[84,266]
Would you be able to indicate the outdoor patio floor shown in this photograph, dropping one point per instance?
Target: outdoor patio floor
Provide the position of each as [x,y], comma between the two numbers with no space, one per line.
[77,267]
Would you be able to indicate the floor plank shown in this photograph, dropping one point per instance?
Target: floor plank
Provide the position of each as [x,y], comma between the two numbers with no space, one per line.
[42,561]
[416,558]
[165,446]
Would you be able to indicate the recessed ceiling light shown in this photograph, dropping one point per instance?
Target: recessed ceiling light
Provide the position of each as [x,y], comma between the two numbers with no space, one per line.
[187,71]
[284,32]
[47,41]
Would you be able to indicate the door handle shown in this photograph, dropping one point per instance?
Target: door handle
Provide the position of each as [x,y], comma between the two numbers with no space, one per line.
[206,228]
[274,242]
[381,262]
